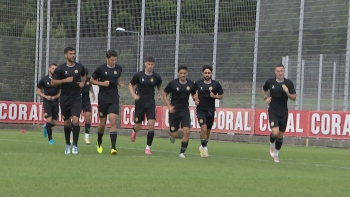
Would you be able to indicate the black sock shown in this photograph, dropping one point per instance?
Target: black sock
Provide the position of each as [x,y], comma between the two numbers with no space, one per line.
[204,143]
[279,142]
[49,130]
[150,136]
[183,147]
[99,137]
[76,131]
[272,138]
[67,131]
[113,135]
[87,127]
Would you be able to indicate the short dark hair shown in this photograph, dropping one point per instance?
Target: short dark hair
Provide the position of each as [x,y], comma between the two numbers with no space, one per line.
[150,59]
[68,49]
[111,53]
[207,67]
[52,64]
[279,65]
[86,71]
[181,67]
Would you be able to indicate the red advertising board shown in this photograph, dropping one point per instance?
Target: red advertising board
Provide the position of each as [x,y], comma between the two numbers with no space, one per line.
[301,123]
[227,120]
[329,124]
[33,113]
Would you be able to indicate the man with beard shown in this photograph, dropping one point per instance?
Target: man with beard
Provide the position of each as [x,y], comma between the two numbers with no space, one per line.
[207,90]
[179,90]
[71,77]
[50,97]
[281,89]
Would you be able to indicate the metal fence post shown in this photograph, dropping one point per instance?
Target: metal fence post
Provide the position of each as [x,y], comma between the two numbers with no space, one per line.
[177,39]
[77,44]
[109,34]
[319,83]
[142,38]
[300,50]
[215,44]
[256,45]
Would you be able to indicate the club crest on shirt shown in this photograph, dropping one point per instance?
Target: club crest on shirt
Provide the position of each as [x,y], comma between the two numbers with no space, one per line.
[177,89]
[151,79]
[273,86]
[105,73]
[48,83]
[65,72]
[142,79]
[210,88]
[87,83]
[76,71]
[188,88]
[115,72]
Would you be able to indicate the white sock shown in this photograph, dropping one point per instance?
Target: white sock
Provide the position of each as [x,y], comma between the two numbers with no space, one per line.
[276,153]
[148,147]
[272,144]
[205,148]
[86,135]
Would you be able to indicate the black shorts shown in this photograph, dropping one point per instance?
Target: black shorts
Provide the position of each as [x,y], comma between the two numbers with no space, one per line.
[205,118]
[143,108]
[179,117]
[104,108]
[51,109]
[86,106]
[70,108]
[278,120]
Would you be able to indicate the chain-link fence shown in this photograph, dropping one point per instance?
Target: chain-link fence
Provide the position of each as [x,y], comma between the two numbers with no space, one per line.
[242,39]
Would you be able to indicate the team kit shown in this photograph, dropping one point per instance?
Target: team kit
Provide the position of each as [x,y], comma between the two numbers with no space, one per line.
[69,87]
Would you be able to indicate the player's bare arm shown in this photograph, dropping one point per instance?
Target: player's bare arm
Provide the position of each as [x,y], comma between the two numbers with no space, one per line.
[292,97]
[92,92]
[99,83]
[83,80]
[216,96]
[41,94]
[120,82]
[267,98]
[57,82]
[159,92]
[132,92]
[167,102]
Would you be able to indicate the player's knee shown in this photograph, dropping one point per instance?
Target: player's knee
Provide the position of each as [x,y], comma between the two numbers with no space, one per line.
[137,126]
[87,118]
[174,134]
[280,134]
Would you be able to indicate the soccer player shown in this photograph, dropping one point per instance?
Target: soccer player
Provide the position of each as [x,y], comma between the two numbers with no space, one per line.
[146,81]
[86,105]
[50,97]
[179,90]
[107,77]
[280,90]
[207,90]
[71,77]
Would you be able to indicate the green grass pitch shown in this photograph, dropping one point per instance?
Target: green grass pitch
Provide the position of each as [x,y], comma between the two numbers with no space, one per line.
[31,167]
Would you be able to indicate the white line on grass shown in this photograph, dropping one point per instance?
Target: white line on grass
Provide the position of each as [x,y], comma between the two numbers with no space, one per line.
[162,151]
